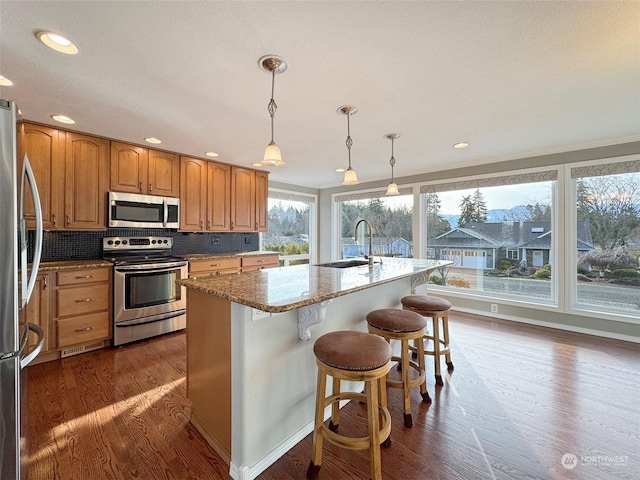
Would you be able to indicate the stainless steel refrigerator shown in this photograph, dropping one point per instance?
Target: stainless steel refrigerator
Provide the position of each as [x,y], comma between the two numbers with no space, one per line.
[16,285]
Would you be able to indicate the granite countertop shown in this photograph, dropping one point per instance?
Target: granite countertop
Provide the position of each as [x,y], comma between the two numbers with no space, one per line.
[206,256]
[281,289]
[72,265]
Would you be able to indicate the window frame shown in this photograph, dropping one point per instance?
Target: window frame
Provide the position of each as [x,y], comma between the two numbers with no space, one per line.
[313,223]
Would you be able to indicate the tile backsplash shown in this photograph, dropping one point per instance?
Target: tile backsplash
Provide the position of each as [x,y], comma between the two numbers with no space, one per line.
[87,245]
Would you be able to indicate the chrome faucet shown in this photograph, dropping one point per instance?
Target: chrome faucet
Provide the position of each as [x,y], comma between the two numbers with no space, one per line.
[370,227]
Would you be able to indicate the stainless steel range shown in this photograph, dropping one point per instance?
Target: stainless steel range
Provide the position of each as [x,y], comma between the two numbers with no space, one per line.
[146,299]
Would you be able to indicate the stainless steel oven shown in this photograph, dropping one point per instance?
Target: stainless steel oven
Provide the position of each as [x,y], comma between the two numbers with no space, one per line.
[147,301]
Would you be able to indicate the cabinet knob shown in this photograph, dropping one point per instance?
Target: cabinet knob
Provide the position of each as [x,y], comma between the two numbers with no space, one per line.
[232,225]
[78,277]
[201,225]
[150,187]
[140,186]
[44,284]
[208,224]
[85,300]
[55,219]
[68,220]
[88,329]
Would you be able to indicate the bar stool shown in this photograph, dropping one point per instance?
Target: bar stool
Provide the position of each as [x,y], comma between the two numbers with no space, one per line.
[403,325]
[437,309]
[357,357]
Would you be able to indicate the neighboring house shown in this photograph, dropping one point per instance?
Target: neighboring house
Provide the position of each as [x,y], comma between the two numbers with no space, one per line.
[483,245]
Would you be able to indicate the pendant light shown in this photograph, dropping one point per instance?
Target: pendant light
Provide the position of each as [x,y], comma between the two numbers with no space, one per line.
[392,189]
[272,64]
[350,177]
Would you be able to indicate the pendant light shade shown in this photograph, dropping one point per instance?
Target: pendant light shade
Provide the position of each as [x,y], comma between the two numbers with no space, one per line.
[350,177]
[272,64]
[392,188]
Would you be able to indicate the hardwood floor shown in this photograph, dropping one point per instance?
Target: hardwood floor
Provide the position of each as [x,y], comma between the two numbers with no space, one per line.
[521,397]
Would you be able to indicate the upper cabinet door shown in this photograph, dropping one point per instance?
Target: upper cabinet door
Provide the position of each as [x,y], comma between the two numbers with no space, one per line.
[243,200]
[262,200]
[86,171]
[218,197]
[45,148]
[129,168]
[193,194]
[164,174]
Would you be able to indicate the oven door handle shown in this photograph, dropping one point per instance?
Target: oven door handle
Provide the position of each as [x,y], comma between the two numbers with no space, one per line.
[166,267]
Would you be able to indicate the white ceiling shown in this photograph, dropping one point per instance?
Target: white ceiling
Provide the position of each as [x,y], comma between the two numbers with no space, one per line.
[511,78]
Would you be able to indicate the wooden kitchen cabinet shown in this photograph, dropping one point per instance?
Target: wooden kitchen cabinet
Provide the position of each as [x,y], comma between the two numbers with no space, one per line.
[86,162]
[38,311]
[71,173]
[164,173]
[213,266]
[82,307]
[243,200]
[262,200]
[193,194]
[137,169]
[218,197]
[44,146]
[251,263]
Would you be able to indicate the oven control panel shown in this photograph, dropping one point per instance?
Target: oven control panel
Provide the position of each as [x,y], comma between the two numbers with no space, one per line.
[136,243]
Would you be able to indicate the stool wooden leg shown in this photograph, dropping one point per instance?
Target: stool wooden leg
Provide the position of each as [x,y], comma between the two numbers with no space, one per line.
[445,333]
[335,407]
[316,456]
[406,377]
[436,348]
[419,344]
[374,429]
[382,401]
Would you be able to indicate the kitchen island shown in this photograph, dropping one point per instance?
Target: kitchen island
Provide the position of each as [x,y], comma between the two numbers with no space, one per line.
[251,371]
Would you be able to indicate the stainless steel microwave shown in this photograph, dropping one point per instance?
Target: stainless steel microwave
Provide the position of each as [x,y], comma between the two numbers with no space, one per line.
[143,211]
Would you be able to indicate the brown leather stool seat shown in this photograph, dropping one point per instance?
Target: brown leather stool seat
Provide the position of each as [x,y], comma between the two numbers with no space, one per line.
[403,325]
[356,357]
[438,310]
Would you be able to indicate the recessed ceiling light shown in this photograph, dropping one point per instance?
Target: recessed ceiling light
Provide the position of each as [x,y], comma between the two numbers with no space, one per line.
[57,42]
[152,140]
[339,170]
[460,145]
[5,82]
[211,154]
[63,119]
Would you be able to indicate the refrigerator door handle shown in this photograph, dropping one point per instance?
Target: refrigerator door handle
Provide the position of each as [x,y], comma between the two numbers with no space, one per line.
[26,360]
[28,286]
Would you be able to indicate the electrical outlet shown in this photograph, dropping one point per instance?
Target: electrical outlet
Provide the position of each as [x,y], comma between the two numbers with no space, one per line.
[494,308]
[215,241]
[247,239]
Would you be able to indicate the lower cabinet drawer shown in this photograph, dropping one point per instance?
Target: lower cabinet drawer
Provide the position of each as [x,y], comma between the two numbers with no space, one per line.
[214,273]
[78,300]
[86,328]
[260,261]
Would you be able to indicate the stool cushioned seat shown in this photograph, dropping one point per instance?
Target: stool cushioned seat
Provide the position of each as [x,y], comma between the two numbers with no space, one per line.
[394,320]
[349,350]
[426,302]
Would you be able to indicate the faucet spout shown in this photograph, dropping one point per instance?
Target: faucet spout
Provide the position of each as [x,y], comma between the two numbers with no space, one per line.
[370,228]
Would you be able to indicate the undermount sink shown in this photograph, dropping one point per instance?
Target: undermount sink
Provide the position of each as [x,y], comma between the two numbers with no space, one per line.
[344,264]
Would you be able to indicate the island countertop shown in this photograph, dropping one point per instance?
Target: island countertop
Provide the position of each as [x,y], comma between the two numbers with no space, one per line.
[282,289]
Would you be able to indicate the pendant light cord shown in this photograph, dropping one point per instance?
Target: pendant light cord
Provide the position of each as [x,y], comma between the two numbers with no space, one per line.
[349,141]
[272,107]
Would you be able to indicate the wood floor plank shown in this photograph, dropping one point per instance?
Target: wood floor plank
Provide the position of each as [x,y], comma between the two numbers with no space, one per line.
[519,399]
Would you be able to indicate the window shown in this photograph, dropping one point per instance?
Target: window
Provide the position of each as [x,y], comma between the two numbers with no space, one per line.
[497,232]
[607,212]
[291,227]
[391,217]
